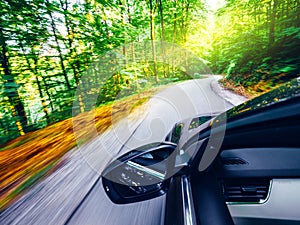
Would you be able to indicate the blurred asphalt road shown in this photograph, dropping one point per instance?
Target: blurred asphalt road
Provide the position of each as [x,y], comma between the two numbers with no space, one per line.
[73,194]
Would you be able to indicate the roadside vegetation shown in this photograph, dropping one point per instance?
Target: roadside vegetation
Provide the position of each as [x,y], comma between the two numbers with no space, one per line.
[48,46]
[256,44]
[34,155]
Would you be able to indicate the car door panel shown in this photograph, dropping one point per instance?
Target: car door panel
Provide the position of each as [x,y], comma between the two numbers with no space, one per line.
[282,206]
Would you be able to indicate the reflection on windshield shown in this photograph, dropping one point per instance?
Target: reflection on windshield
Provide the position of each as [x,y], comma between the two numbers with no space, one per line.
[284,92]
[196,122]
[176,132]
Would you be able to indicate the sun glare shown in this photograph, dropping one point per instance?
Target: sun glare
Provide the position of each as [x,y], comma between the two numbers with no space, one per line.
[215,4]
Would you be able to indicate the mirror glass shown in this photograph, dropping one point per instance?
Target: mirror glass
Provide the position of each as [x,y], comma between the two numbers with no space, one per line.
[138,174]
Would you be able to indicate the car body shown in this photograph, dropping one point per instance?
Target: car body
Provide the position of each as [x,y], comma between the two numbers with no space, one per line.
[240,167]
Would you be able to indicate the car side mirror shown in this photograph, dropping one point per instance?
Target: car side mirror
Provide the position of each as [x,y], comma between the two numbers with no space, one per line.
[139,175]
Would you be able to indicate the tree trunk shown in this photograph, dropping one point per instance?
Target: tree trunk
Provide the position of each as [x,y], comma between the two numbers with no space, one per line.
[162,37]
[272,23]
[35,72]
[74,65]
[174,35]
[135,73]
[123,15]
[44,104]
[72,51]
[10,87]
[152,11]
[53,28]
[47,92]
[185,29]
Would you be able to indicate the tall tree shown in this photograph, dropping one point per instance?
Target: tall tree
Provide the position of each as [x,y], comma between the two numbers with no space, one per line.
[10,85]
[152,36]
[54,30]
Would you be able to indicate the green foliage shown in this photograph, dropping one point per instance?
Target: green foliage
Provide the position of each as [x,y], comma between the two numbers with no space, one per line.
[260,38]
[47,46]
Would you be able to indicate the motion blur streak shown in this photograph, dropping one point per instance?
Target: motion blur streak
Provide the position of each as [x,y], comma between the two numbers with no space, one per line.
[59,198]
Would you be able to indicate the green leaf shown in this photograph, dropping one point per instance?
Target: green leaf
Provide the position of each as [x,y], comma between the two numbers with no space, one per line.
[288,69]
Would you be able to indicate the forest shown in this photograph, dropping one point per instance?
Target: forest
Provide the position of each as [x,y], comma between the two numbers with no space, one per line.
[62,59]
[48,45]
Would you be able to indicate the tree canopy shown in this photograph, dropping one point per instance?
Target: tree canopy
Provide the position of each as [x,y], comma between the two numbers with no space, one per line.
[257,42]
[48,45]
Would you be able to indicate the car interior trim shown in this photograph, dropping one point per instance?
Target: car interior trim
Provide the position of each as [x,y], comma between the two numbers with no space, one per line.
[284,162]
[259,202]
[284,193]
[188,207]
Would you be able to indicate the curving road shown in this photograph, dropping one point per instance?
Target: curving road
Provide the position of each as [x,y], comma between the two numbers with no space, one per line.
[73,194]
